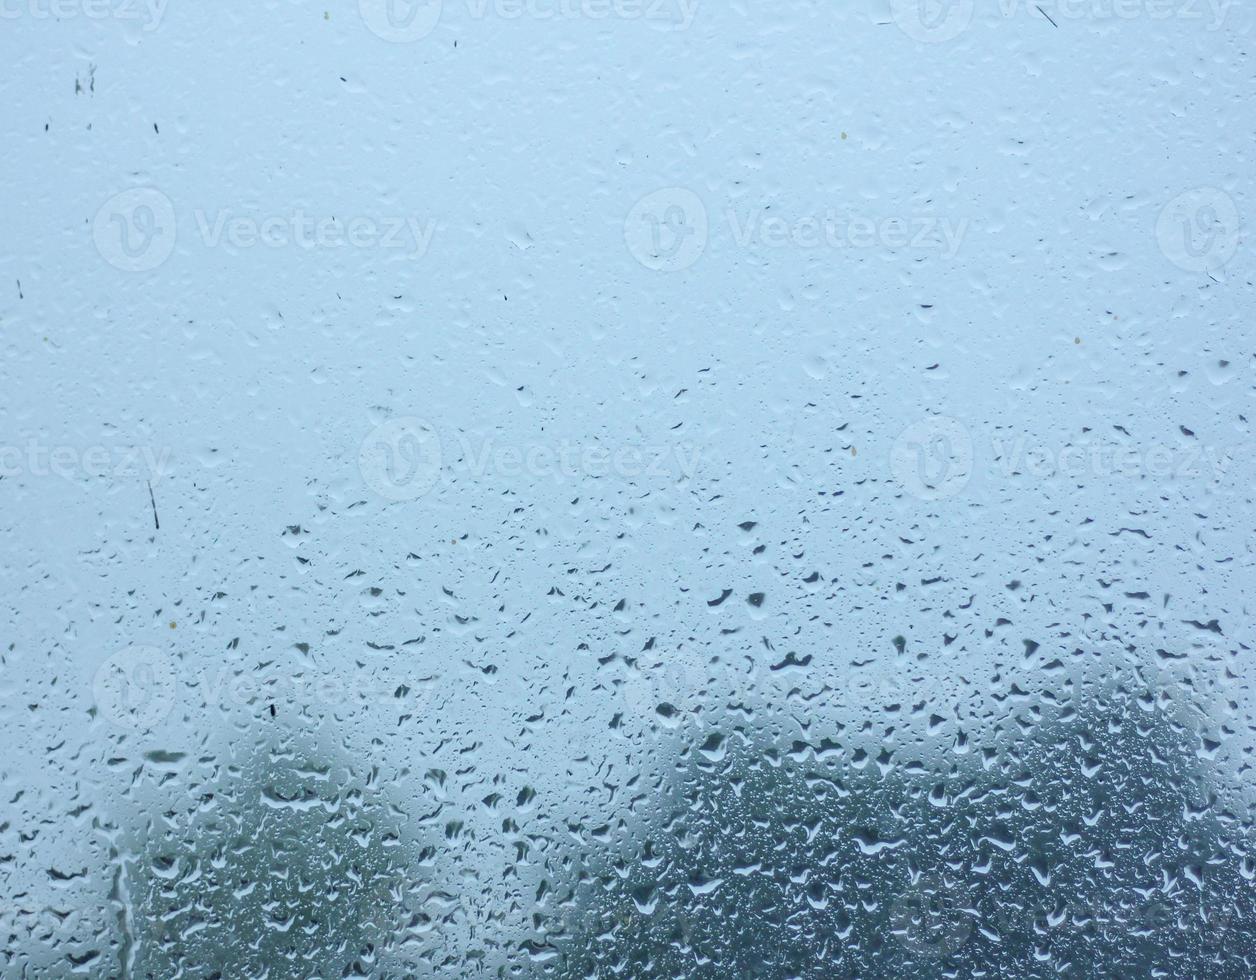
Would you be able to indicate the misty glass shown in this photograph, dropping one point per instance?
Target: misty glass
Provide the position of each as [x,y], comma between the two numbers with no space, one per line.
[627,488]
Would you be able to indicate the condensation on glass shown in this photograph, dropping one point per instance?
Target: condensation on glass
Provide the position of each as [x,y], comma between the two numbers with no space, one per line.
[627,488]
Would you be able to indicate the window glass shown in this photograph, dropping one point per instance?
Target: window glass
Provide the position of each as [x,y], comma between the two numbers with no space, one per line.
[627,488]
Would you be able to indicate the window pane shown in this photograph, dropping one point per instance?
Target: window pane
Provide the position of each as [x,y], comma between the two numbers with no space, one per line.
[627,488]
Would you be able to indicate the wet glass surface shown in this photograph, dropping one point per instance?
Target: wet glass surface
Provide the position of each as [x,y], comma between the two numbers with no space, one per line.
[627,488]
